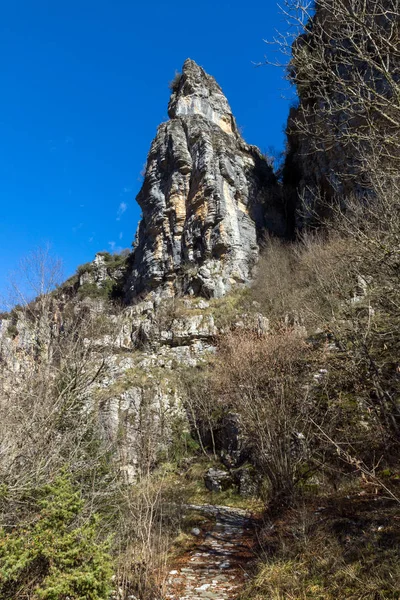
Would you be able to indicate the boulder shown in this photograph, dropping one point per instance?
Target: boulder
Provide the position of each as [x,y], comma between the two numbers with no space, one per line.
[217,480]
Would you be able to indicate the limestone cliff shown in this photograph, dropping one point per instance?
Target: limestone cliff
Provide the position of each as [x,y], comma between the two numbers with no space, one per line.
[207,196]
[207,200]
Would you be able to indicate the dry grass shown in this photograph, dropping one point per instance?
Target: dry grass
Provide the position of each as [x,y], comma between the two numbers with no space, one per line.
[346,549]
[304,283]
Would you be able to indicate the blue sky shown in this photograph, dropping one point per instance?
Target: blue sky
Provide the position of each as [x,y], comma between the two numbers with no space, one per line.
[84,87]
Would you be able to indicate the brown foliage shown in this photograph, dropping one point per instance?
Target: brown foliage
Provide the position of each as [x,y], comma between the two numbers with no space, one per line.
[305,283]
[264,381]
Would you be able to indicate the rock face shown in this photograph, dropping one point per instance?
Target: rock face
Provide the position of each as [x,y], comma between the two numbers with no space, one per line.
[312,178]
[206,197]
[342,141]
[217,480]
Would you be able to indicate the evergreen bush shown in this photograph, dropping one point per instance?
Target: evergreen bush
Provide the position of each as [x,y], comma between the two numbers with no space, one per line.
[57,555]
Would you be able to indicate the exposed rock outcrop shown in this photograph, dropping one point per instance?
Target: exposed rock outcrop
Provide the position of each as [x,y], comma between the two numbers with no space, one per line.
[206,197]
[217,480]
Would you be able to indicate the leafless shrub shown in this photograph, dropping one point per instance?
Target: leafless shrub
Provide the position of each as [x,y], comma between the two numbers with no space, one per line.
[46,417]
[343,285]
[174,84]
[50,377]
[149,517]
[264,381]
[305,283]
[203,412]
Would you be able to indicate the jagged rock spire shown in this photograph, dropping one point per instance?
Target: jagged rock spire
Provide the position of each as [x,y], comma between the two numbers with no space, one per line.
[196,93]
[205,197]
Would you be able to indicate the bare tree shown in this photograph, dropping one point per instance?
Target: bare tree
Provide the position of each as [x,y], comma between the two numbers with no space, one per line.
[203,412]
[38,274]
[47,376]
[54,380]
[343,56]
[264,380]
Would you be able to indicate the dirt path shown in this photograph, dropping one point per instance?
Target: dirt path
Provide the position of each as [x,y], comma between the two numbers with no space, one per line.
[216,568]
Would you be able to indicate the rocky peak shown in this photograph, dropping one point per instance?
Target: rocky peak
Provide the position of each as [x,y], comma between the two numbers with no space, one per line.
[206,198]
[195,92]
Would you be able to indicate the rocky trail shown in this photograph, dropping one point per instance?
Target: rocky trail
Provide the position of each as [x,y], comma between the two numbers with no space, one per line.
[215,568]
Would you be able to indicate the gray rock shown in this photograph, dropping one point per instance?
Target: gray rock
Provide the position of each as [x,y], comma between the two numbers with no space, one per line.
[203,304]
[217,480]
[98,272]
[247,480]
[205,198]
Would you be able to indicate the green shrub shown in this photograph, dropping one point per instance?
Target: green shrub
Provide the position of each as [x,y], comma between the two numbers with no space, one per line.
[12,330]
[92,290]
[85,268]
[70,283]
[55,556]
[115,261]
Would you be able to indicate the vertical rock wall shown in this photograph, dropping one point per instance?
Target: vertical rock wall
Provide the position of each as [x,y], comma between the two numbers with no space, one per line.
[206,198]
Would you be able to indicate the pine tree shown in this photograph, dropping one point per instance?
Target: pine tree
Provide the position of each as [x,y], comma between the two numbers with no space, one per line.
[56,557]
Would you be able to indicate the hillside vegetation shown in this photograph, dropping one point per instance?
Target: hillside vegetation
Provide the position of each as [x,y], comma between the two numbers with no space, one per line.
[290,391]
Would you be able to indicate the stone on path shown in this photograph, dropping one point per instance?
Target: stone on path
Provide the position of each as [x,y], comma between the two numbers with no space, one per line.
[217,563]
